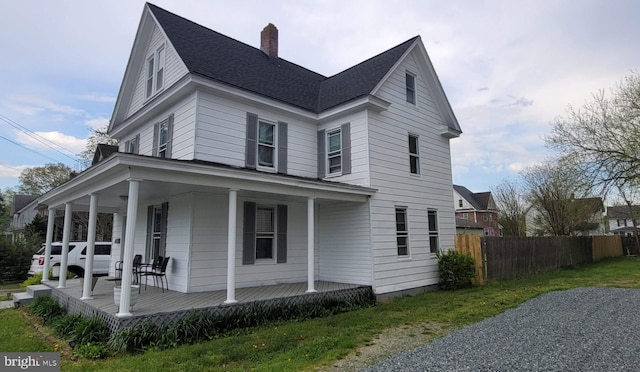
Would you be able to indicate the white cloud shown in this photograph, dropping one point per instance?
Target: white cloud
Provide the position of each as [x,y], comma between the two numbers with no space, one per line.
[97,123]
[94,97]
[62,142]
[10,171]
[43,104]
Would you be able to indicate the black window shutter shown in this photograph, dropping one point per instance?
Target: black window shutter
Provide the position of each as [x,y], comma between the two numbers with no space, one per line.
[345,132]
[321,153]
[282,147]
[249,234]
[149,233]
[155,140]
[136,149]
[282,233]
[169,137]
[163,229]
[252,141]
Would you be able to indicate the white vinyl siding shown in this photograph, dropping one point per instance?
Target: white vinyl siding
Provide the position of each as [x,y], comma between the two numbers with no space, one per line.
[209,250]
[391,177]
[184,115]
[344,243]
[221,134]
[359,147]
[173,70]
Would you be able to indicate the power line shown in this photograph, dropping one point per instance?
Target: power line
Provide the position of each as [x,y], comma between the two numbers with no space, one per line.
[28,149]
[37,137]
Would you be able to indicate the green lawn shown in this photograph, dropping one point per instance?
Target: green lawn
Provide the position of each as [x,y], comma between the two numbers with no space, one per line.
[293,346]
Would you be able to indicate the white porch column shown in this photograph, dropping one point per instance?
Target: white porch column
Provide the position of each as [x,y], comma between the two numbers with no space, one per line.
[47,249]
[127,265]
[231,248]
[87,294]
[64,256]
[310,245]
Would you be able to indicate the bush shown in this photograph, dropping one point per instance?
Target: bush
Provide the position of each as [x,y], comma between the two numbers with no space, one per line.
[88,330]
[64,325]
[46,307]
[15,259]
[93,350]
[32,280]
[456,270]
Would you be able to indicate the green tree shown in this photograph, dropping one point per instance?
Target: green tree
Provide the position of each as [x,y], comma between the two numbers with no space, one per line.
[39,180]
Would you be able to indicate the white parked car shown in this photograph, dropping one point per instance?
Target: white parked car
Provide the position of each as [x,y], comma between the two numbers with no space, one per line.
[76,259]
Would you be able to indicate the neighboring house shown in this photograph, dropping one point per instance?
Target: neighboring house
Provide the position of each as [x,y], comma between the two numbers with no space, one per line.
[588,219]
[620,219]
[468,227]
[23,210]
[249,170]
[479,208]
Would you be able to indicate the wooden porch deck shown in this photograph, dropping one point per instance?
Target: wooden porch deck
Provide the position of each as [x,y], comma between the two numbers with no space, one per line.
[153,303]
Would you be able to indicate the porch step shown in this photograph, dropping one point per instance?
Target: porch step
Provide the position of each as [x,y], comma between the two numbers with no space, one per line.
[32,292]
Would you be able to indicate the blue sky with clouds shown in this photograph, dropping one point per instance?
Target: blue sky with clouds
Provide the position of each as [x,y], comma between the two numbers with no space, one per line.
[508,67]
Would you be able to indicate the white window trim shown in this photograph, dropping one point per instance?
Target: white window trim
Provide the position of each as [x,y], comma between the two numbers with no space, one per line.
[128,143]
[162,146]
[433,233]
[275,146]
[404,233]
[416,155]
[155,57]
[328,167]
[274,246]
[415,88]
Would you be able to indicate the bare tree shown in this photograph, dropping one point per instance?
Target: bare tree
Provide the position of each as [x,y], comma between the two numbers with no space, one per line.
[603,136]
[510,199]
[557,194]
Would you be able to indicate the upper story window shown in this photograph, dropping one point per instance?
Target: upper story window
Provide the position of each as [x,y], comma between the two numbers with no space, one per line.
[162,138]
[266,144]
[132,146]
[402,231]
[433,231]
[155,71]
[411,88]
[334,151]
[460,203]
[414,158]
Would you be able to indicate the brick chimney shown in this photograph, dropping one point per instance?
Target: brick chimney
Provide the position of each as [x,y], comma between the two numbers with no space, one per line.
[269,40]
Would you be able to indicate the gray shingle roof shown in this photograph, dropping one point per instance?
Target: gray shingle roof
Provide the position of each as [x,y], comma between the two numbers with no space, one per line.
[479,200]
[622,212]
[220,58]
[21,201]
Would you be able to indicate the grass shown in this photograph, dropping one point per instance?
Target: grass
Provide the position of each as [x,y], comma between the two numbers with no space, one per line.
[17,335]
[294,346]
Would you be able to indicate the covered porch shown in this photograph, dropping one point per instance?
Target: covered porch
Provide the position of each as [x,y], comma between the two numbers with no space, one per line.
[169,306]
[213,254]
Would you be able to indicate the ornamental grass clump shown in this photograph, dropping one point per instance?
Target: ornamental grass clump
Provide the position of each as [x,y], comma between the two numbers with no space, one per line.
[46,307]
[456,270]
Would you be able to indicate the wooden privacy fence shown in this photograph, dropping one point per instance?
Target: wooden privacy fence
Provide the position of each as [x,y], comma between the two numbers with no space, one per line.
[509,257]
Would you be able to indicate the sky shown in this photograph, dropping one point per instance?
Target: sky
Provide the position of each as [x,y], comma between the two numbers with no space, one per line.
[509,68]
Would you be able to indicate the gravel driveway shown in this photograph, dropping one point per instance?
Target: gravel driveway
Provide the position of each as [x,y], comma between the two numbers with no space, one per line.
[584,329]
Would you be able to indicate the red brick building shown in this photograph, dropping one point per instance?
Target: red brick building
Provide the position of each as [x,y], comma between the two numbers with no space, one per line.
[477,207]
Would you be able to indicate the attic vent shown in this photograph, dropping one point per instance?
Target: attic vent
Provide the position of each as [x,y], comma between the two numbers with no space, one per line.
[269,40]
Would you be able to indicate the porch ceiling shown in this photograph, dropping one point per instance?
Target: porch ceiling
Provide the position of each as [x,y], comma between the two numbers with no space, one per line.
[162,177]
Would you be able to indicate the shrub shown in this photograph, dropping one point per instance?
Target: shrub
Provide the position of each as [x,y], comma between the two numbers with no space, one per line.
[64,325]
[46,307]
[15,259]
[32,280]
[136,338]
[456,270]
[93,350]
[88,330]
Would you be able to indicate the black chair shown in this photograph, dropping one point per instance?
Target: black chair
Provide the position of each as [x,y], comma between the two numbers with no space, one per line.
[137,261]
[149,270]
[160,273]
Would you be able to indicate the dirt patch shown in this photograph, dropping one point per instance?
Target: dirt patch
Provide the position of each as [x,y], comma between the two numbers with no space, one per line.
[389,342]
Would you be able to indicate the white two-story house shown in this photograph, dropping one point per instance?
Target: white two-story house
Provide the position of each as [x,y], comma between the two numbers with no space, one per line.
[249,170]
